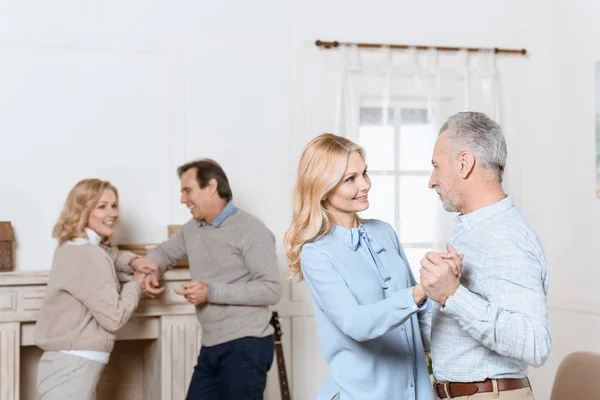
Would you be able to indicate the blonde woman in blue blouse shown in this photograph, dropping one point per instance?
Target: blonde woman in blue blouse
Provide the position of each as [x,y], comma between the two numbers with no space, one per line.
[365,297]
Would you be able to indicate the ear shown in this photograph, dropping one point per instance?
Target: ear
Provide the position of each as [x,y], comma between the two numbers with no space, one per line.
[467,164]
[213,186]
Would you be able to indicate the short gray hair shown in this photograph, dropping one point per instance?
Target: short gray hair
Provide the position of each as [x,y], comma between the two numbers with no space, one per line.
[482,136]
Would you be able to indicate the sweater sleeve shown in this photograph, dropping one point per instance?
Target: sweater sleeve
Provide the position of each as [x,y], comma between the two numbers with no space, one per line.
[95,284]
[260,258]
[169,252]
[120,258]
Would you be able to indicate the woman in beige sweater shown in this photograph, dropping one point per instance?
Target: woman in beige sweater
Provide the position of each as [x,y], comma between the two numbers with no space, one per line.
[84,304]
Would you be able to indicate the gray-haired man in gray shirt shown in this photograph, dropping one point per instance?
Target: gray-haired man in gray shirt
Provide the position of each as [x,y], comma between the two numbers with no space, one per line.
[235,278]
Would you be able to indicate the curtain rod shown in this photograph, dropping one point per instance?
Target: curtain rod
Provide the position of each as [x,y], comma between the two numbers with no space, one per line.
[335,44]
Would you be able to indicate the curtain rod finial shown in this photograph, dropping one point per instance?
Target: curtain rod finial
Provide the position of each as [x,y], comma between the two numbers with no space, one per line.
[327,45]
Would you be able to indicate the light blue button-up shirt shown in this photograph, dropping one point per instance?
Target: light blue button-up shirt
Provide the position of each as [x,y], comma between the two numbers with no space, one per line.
[366,316]
[495,325]
[227,212]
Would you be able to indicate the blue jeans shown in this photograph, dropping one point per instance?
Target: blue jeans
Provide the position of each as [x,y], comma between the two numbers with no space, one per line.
[232,370]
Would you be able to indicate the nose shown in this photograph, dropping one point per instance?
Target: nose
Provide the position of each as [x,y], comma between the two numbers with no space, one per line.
[365,186]
[182,199]
[114,212]
[431,182]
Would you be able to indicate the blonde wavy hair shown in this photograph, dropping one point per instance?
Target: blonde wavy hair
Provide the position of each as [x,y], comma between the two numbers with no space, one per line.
[80,202]
[320,170]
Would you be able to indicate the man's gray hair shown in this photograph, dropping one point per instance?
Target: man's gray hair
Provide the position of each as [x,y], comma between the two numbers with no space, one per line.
[482,136]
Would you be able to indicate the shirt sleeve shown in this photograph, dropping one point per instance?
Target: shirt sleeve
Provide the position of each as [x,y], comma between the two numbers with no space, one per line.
[511,318]
[360,322]
[425,327]
[424,314]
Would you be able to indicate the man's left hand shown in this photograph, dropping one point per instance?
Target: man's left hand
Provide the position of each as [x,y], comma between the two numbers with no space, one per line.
[196,292]
[437,278]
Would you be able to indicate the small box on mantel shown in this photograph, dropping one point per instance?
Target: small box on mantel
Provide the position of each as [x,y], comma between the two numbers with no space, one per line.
[7,247]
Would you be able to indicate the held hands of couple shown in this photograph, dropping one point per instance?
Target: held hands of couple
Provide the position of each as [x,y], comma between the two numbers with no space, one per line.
[152,286]
[145,265]
[150,275]
[196,292]
[142,267]
[440,274]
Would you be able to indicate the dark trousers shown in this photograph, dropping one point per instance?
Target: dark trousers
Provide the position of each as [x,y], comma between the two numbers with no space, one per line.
[233,370]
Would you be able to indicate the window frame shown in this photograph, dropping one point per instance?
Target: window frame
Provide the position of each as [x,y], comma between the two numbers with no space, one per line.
[397,172]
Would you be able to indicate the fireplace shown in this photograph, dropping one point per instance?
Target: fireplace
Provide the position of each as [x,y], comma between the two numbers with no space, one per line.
[153,357]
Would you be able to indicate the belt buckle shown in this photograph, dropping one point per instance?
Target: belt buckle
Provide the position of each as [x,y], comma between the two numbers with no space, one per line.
[447,390]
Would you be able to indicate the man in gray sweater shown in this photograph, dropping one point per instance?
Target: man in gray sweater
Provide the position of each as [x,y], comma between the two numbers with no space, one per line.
[235,278]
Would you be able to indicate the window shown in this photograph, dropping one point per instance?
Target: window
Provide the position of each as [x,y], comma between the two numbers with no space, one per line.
[399,144]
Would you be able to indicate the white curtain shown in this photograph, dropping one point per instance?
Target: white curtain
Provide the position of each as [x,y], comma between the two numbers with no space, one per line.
[393,103]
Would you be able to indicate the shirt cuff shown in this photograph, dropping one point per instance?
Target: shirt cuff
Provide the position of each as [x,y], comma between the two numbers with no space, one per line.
[405,299]
[425,307]
[220,293]
[462,304]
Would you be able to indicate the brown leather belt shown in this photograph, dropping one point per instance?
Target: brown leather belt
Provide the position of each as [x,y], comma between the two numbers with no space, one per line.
[450,390]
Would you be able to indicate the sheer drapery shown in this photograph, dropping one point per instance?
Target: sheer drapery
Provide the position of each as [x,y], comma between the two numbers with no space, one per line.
[393,103]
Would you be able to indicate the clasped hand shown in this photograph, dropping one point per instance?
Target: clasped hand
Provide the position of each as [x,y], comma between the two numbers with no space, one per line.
[440,274]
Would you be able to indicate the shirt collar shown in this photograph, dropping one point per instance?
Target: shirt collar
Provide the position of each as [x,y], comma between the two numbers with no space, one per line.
[472,219]
[354,236]
[227,212]
[92,238]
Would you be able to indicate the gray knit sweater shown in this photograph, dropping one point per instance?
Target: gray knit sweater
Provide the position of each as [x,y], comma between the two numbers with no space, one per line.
[238,261]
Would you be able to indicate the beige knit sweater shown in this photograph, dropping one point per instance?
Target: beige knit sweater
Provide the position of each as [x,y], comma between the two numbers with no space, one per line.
[84,305]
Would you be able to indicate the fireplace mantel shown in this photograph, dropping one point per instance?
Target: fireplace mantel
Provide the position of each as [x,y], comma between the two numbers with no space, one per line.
[167,326]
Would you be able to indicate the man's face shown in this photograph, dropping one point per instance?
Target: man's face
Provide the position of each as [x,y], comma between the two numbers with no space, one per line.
[197,200]
[445,178]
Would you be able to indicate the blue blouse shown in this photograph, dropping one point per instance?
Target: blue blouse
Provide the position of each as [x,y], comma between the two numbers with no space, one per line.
[366,317]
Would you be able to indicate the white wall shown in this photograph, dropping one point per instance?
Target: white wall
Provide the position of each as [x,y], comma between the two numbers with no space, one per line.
[127,91]
[577,39]
[81,97]
[570,203]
